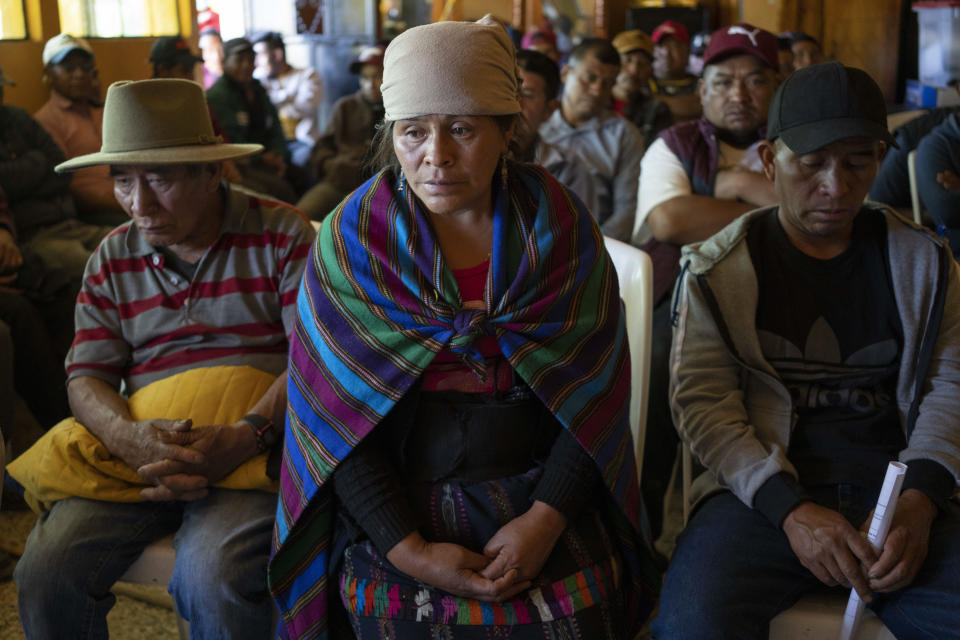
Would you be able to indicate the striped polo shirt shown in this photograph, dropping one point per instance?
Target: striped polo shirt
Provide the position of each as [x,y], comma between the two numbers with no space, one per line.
[138,320]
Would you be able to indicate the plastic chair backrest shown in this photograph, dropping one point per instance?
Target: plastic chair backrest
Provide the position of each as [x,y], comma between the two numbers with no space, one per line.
[635,273]
[154,567]
[914,194]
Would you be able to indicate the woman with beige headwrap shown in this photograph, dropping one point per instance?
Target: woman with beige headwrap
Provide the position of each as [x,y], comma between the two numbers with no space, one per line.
[457,453]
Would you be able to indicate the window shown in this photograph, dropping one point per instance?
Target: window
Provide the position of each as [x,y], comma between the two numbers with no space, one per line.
[12,22]
[119,18]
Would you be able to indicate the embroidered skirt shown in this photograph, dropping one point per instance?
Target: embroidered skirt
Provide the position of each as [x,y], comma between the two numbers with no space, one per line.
[578,593]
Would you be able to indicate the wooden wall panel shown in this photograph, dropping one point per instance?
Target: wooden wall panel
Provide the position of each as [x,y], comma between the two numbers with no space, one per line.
[865,34]
[532,14]
[117,58]
[808,16]
[610,17]
[766,14]
[476,9]
[859,33]
[724,12]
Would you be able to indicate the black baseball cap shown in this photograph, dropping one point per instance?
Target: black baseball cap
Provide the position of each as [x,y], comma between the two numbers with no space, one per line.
[172,50]
[235,46]
[826,102]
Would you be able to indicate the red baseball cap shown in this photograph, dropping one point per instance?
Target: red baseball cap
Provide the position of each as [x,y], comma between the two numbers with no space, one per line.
[742,38]
[534,36]
[672,29]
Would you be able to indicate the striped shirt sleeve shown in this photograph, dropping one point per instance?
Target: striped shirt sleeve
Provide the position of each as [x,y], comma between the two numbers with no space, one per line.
[99,349]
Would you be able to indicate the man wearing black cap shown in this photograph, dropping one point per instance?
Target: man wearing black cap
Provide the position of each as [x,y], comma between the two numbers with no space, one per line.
[172,58]
[815,342]
[806,50]
[243,110]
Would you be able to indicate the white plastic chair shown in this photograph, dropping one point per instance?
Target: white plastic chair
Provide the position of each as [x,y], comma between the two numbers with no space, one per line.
[635,273]
[914,194]
[154,568]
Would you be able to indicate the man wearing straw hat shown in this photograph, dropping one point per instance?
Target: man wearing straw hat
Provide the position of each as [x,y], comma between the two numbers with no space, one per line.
[814,342]
[190,299]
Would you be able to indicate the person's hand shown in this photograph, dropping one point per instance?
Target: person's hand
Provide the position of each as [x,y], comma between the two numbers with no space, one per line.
[453,568]
[829,546]
[149,441]
[10,257]
[524,543]
[222,447]
[275,161]
[906,545]
[949,180]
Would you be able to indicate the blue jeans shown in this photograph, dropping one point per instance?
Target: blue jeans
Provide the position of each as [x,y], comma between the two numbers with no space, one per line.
[79,548]
[733,571]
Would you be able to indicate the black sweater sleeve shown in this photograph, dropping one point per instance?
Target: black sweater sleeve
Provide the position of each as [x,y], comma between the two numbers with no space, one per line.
[570,476]
[369,488]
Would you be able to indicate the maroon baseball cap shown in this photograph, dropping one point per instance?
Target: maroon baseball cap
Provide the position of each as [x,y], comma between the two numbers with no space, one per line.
[534,36]
[672,29]
[742,38]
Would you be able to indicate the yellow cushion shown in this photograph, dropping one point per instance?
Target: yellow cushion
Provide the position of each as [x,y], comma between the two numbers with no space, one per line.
[70,461]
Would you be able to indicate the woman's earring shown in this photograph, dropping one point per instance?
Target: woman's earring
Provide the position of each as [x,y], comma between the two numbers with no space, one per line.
[503,171]
[401,184]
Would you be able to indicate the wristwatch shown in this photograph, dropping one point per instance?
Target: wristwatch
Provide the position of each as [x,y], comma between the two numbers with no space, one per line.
[264,431]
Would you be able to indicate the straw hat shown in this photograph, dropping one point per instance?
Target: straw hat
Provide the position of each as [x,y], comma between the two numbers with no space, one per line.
[161,121]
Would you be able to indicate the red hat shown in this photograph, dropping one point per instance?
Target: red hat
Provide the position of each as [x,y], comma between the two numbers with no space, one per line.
[673,29]
[531,37]
[742,38]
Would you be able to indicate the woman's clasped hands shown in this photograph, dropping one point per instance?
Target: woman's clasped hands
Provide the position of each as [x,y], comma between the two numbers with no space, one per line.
[511,559]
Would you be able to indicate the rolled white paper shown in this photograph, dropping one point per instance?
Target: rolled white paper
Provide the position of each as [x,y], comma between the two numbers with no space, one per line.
[879,526]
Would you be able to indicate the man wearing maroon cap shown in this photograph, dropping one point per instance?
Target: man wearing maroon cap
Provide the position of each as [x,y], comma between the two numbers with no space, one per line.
[675,85]
[339,153]
[695,179]
[701,175]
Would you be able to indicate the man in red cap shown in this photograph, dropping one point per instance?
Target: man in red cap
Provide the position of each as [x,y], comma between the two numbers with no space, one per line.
[172,57]
[675,85]
[695,179]
[542,40]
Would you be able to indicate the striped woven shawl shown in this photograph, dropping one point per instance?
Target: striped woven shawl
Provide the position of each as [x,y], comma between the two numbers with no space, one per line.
[378,302]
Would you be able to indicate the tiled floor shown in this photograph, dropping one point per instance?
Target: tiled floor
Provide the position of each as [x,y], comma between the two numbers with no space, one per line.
[131,618]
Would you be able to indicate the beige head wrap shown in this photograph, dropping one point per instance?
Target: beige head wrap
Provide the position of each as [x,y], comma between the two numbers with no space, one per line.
[452,68]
